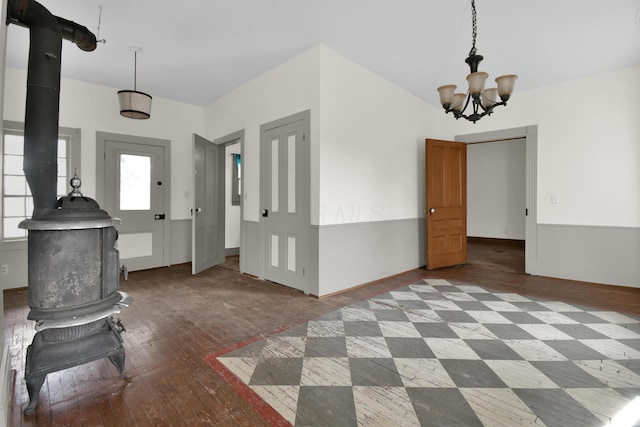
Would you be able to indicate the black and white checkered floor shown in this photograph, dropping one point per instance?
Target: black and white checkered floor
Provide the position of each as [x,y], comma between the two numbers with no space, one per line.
[436,353]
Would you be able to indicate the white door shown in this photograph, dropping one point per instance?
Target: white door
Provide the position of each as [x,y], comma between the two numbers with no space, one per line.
[284,198]
[208,209]
[134,191]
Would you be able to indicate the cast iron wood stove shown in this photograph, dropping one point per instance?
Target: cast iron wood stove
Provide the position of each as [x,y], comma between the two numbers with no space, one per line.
[73,274]
[73,290]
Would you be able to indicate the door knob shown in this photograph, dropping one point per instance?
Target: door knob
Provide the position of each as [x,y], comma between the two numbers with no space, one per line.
[432,211]
[265,212]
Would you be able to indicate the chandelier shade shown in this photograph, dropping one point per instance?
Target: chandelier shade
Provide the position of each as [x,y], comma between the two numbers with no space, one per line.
[482,100]
[133,103]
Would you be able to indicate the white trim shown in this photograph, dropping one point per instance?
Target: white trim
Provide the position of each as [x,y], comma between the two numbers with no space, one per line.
[5,386]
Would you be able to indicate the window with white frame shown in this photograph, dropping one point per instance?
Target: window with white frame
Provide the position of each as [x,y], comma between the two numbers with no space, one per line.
[17,202]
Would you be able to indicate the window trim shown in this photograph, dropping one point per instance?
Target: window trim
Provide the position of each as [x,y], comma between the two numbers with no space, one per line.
[73,164]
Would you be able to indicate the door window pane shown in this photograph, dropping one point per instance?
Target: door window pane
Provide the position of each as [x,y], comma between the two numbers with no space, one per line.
[275,202]
[135,182]
[291,174]
[291,254]
[275,251]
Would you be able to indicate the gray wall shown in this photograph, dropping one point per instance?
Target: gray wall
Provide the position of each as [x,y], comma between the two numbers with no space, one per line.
[609,255]
[353,254]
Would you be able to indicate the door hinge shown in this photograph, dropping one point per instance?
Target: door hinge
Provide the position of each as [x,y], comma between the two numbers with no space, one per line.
[304,136]
[303,271]
[526,212]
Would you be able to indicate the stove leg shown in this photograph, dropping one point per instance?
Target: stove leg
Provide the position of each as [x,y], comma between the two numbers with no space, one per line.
[118,362]
[34,384]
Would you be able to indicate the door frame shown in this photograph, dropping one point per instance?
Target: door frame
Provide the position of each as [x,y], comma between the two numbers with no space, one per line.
[530,134]
[223,141]
[101,137]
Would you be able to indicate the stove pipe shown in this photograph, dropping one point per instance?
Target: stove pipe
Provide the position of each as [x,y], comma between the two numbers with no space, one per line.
[43,94]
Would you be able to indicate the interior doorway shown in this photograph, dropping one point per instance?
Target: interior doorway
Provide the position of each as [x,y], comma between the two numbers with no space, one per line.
[496,204]
[233,198]
[529,136]
[496,254]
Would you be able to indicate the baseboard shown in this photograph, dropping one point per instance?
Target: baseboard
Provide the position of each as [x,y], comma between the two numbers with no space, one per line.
[496,241]
[5,383]
[231,251]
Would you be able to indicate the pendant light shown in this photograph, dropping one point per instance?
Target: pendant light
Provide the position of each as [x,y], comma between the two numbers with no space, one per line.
[134,104]
[483,100]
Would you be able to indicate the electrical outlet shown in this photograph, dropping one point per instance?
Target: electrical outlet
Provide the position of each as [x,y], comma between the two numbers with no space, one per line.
[4,269]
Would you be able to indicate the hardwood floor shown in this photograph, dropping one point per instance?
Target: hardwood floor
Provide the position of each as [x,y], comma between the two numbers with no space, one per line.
[176,319]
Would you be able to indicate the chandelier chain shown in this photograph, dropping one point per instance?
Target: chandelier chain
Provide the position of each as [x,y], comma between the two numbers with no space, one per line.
[474,26]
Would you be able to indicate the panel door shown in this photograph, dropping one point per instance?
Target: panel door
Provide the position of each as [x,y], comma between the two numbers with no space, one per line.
[134,193]
[284,198]
[446,196]
[208,207]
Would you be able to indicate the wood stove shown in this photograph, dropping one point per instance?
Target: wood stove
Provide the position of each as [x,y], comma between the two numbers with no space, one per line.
[73,290]
[73,264]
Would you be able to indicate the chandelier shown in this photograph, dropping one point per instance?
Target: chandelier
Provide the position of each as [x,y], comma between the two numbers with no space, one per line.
[482,100]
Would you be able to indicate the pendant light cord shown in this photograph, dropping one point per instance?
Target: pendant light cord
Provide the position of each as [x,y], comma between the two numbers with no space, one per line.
[474,24]
[135,69]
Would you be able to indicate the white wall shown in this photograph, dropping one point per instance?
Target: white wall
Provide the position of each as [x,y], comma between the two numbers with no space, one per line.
[588,157]
[496,189]
[232,213]
[588,147]
[372,145]
[289,88]
[371,159]
[93,108]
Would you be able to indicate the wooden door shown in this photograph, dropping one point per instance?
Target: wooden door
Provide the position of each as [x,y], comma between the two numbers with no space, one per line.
[208,205]
[446,188]
[284,198]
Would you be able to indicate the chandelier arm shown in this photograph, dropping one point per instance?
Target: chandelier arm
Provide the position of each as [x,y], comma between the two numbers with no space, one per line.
[477,116]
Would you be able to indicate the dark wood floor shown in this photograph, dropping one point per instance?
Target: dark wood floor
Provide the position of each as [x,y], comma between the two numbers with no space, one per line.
[176,319]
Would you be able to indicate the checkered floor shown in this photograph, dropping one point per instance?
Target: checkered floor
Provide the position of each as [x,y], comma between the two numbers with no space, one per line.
[436,353]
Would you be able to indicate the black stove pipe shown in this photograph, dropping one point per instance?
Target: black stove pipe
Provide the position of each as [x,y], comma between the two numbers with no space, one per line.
[46,32]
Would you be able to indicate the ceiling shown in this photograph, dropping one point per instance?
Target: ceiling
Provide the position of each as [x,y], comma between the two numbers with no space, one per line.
[195,51]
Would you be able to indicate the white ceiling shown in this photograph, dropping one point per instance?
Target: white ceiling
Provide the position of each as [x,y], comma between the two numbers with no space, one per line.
[194,51]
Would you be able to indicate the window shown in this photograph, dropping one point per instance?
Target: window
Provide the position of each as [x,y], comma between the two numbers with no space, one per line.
[17,203]
[236,180]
